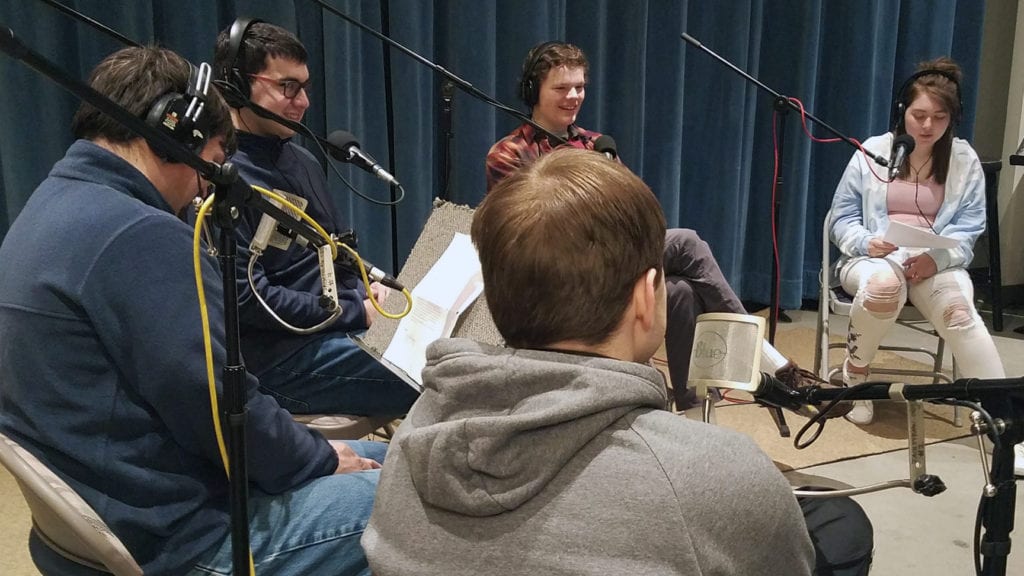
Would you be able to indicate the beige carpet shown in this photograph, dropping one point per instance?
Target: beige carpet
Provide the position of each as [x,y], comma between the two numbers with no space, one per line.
[14,557]
[840,440]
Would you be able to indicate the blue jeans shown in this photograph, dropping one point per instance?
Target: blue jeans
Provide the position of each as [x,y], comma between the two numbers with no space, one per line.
[313,529]
[332,375]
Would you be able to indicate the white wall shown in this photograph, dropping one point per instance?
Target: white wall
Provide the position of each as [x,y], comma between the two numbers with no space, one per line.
[999,125]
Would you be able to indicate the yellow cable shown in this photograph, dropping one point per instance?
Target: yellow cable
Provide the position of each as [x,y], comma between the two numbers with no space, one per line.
[207,346]
[334,253]
[369,292]
[303,215]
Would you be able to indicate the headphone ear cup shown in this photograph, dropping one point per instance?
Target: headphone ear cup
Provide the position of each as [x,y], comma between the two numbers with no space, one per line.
[528,92]
[167,114]
[241,83]
[162,117]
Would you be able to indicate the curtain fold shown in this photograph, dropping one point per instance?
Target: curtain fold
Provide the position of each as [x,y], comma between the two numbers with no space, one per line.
[699,134]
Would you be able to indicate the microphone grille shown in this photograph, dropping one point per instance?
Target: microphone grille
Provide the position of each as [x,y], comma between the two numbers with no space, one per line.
[905,140]
[342,139]
[727,351]
[606,145]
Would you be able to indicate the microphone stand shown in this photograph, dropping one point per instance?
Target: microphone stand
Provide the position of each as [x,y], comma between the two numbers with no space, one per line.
[1003,399]
[459,82]
[782,105]
[447,95]
[232,192]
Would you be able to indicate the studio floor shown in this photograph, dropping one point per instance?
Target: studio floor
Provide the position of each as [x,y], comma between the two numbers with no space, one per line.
[914,534]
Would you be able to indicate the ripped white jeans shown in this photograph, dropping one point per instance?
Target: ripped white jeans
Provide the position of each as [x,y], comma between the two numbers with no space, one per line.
[947,300]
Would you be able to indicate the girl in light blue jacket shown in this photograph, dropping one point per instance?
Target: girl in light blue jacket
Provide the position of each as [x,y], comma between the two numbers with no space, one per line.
[939,189]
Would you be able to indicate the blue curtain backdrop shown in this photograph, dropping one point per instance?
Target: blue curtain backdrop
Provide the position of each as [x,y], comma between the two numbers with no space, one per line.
[699,134]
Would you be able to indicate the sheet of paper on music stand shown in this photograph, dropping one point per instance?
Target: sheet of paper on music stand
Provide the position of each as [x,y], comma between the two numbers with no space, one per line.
[450,286]
[906,236]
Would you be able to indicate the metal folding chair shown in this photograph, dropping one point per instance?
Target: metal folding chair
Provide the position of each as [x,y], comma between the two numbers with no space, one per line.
[63,521]
[835,300]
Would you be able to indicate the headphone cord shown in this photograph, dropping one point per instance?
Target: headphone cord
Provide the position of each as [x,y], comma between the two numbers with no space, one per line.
[917,180]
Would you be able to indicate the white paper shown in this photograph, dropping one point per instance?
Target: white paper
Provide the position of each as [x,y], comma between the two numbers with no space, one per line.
[450,286]
[906,236]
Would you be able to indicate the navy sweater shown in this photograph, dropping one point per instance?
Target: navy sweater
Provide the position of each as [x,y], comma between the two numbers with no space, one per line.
[289,280]
[102,366]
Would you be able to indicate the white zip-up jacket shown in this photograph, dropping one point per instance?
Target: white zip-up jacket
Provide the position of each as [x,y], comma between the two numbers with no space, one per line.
[860,212]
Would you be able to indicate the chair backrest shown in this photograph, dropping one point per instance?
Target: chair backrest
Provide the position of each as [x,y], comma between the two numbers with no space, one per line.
[62,519]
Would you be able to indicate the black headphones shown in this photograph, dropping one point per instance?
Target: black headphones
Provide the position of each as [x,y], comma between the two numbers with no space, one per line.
[529,87]
[899,106]
[233,82]
[181,115]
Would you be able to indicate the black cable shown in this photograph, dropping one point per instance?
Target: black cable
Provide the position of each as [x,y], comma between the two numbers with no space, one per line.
[82,17]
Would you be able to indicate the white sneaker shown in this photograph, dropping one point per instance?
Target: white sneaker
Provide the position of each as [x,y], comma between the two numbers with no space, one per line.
[862,414]
[1018,460]
[863,410]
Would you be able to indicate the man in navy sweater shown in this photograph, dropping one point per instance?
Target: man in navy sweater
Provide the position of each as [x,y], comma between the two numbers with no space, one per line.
[102,356]
[308,371]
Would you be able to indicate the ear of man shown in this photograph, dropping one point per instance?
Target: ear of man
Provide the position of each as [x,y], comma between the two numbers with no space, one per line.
[645,305]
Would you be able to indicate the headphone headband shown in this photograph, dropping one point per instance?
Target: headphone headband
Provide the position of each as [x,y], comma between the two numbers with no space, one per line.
[900,105]
[181,115]
[232,73]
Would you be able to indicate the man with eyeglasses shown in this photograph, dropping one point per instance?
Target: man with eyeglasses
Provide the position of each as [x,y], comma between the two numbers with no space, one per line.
[308,372]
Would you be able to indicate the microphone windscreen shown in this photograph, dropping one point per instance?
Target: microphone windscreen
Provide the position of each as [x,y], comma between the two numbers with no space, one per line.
[605,144]
[342,140]
[727,351]
[905,140]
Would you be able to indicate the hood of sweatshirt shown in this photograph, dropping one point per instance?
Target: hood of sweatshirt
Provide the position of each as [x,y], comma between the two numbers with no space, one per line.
[495,425]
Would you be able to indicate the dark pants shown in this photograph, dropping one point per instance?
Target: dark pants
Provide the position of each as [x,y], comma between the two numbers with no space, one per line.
[695,285]
[842,536]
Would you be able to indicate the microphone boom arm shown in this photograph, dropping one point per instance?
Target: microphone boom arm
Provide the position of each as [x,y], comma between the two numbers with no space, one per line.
[780,98]
[218,174]
[462,84]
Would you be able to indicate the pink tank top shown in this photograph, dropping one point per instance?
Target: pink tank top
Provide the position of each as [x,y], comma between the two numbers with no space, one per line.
[903,208]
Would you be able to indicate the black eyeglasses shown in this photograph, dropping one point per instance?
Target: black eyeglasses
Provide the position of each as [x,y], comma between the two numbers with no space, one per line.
[290,88]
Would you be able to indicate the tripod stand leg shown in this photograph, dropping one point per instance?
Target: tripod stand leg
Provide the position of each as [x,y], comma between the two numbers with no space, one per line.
[780,421]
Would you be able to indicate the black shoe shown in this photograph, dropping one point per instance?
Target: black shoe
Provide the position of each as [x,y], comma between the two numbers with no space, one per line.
[797,377]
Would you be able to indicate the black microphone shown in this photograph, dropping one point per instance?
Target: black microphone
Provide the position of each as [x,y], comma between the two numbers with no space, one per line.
[774,392]
[344,147]
[902,146]
[605,144]
[347,261]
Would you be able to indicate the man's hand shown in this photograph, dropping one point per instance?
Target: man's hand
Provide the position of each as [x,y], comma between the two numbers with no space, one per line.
[349,461]
[878,248]
[919,268]
[380,293]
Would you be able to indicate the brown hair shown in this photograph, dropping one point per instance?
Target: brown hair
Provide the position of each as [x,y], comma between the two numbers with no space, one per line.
[946,91]
[135,78]
[261,40]
[570,224]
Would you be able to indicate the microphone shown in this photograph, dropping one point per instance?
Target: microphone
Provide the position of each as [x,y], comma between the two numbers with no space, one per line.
[271,233]
[727,354]
[902,146]
[605,144]
[375,274]
[328,283]
[344,147]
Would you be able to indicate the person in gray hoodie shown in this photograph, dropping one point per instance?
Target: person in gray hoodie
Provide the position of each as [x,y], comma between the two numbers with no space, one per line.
[555,454]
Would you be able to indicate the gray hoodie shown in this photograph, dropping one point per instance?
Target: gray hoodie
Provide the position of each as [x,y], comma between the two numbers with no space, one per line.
[535,462]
